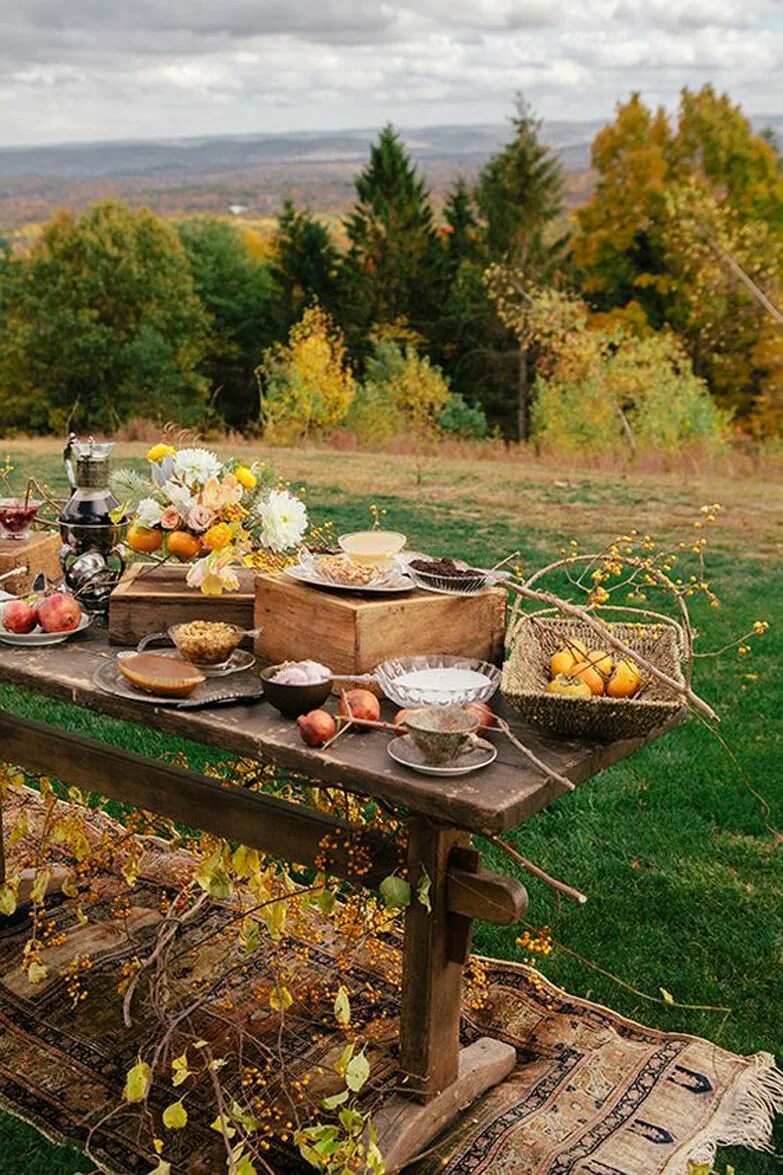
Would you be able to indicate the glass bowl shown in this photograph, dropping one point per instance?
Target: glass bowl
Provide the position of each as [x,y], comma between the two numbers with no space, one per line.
[437,680]
[376,547]
[206,642]
[16,517]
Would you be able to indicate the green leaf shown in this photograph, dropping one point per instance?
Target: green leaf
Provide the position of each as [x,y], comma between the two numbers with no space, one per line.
[280,998]
[224,1128]
[342,1007]
[245,861]
[357,1072]
[7,899]
[336,1099]
[38,892]
[396,892]
[423,886]
[175,1116]
[37,972]
[245,1167]
[179,1069]
[341,1064]
[213,878]
[137,1082]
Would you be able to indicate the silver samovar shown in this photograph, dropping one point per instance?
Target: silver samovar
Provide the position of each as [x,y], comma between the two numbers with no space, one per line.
[90,529]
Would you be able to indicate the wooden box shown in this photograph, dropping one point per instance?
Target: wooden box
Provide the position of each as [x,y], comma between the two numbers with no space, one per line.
[151,598]
[39,552]
[354,633]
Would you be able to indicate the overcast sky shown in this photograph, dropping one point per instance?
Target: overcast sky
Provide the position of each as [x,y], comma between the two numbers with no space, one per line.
[93,69]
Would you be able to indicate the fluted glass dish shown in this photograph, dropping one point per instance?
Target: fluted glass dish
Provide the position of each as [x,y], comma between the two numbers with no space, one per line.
[437,680]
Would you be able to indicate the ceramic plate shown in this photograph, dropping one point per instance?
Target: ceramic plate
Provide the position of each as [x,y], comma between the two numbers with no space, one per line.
[385,587]
[38,639]
[404,750]
[214,691]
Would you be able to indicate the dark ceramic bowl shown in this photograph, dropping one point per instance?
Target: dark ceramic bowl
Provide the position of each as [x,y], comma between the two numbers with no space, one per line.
[293,700]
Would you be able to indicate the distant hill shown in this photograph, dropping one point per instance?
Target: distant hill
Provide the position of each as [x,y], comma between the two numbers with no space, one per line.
[220,153]
[255,172]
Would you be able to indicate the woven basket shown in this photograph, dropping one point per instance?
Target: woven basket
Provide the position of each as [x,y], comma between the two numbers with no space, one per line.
[526,675]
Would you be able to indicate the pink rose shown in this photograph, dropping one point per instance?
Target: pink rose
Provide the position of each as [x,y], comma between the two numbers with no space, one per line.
[200,519]
[170,518]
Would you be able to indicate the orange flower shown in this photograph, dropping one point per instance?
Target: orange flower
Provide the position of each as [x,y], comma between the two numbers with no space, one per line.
[217,537]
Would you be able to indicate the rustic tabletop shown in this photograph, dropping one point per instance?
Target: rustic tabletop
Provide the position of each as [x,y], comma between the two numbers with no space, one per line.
[492,800]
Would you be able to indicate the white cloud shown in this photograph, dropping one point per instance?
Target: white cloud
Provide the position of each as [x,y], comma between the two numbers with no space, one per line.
[84,69]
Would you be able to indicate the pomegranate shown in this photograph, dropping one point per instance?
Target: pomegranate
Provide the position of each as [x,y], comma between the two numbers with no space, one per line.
[317,727]
[482,712]
[59,612]
[19,616]
[360,703]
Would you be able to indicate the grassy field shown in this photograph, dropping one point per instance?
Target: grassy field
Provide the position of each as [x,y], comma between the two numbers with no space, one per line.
[684,879]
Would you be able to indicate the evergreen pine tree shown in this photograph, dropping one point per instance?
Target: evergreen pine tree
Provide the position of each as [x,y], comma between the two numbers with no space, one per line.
[305,265]
[519,194]
[394,266]
[462,236]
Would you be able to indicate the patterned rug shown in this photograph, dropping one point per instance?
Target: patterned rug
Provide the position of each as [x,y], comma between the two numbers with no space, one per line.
[592,1093]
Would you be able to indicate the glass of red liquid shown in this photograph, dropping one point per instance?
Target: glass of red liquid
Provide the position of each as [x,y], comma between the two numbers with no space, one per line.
[16,517]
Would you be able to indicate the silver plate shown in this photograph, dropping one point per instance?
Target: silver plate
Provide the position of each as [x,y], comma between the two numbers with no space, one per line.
[213,692]
[384,588]
[404,751]
[38,639]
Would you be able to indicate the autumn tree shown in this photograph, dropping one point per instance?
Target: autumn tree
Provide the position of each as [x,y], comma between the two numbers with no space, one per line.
[102,322]
[601,389]
[635,260]
[306,384]
[305,263]
[242,298]
[393,269]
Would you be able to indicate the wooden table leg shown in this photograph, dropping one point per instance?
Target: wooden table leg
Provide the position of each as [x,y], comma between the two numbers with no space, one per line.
[434,1070]
[431,981]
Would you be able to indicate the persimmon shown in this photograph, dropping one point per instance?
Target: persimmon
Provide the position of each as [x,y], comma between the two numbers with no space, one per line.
[564,660]
[183,545]
[587,673]
[144,539]
[625,680]
[601,661]
[569,687]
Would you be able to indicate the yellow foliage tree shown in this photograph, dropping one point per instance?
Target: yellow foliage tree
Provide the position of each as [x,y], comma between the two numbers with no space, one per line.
[307,385]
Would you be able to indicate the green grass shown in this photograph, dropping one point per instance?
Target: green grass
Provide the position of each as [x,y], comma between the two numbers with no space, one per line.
[684,879]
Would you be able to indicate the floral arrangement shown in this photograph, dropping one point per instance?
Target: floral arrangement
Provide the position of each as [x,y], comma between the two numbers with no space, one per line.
[213,514]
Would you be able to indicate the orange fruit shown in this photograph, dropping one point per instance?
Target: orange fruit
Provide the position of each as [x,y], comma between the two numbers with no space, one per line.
[563,661]
[569,687]
[587,673]
[625,680]
[601,661]
[183,545]
[143,539]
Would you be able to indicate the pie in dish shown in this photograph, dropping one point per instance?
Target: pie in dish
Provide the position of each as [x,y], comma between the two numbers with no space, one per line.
[156,674]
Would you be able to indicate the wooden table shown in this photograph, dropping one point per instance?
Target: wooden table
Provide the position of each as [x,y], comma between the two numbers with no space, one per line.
[441,815]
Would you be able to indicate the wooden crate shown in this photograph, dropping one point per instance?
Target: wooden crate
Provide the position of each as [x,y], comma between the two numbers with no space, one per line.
[39,552]
[354,633]
[151,598]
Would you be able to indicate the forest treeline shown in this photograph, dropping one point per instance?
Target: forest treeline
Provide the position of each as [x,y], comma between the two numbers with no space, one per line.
[650,317]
